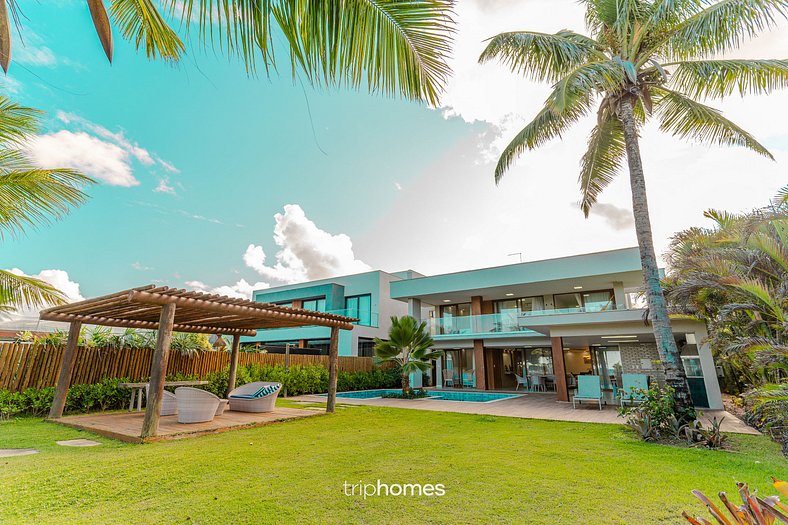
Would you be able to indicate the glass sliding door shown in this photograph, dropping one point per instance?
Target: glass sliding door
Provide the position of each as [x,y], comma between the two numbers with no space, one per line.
[456,319]
[458,369]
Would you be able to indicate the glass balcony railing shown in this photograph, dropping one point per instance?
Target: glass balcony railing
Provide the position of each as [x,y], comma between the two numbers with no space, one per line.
[506,322]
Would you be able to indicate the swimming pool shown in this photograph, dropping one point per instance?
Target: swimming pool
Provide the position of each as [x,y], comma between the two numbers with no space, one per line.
[445,395]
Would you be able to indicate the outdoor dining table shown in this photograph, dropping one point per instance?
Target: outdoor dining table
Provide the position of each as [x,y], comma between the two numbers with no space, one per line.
[138,388]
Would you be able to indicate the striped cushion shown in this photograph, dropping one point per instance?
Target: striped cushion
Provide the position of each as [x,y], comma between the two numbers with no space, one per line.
[262,392]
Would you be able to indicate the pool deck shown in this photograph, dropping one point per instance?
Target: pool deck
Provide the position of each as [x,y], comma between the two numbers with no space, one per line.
[530,405]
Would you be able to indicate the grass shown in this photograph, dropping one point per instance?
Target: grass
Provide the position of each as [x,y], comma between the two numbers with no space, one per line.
[495,469]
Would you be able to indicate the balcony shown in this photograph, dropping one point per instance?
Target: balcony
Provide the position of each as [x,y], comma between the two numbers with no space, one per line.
[503,323]
[364,318]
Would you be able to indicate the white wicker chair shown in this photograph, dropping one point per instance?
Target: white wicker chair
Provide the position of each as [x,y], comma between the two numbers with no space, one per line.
[256,404]
[195,405]
[169,406]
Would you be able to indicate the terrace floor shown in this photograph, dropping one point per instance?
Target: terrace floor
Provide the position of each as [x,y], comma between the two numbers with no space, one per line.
[127,426]
[530,405]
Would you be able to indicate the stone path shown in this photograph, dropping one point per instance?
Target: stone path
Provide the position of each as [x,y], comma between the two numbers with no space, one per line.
[13,452]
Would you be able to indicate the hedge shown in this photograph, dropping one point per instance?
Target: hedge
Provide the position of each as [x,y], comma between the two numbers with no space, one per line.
[107,395]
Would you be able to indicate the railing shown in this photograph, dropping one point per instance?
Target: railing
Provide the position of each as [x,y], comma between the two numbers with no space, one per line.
[507,322]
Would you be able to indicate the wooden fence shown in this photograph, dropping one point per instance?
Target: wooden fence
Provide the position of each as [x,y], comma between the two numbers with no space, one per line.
[25,365]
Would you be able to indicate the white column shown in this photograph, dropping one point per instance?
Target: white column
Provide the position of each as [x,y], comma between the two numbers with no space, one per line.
[621,297]
[709,370]
[414,310]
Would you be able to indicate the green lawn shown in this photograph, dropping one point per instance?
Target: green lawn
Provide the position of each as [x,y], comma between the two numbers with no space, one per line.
[495,469]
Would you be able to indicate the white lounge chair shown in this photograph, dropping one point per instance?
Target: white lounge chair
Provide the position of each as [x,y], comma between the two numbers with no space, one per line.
[448,378]
[589,388]
[254,397]
[169,405]
[195,405]
[521,381]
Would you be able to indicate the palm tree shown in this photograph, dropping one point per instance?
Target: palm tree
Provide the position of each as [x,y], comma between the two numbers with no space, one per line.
[735,275]
[644,59]
[409,346]
[29,197]
[391,46]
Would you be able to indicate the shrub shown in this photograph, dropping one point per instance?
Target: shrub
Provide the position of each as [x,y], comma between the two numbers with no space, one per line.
[410,394]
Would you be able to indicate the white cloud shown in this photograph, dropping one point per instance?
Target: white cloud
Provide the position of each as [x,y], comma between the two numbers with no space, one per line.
[35,56]
[240,290]
[96,151]
[306,252]
[398,186]
[140,267]
[617,217]
[164,187]
[105,161]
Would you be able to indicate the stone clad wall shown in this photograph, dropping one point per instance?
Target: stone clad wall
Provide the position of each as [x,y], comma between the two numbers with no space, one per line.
[632,356]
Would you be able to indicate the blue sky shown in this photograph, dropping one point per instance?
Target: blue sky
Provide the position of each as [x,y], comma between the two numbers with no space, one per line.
[407,185]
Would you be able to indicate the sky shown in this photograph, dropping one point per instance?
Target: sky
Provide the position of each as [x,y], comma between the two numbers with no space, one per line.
[212,180]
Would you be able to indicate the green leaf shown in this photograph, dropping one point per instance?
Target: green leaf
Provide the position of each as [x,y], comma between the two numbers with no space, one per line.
[722,78]
[141,22]
[603,160]
[686,118]
[19,291]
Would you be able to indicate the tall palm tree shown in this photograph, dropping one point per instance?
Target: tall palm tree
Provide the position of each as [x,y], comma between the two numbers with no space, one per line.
[644,59]
[29,197]
[392,46]
[409,346]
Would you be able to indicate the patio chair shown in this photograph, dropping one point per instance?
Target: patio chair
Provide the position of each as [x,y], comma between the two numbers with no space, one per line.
[467,378]
[195,405]
[589,388]
[521,381]
[169,405]
[255,397]
[633,387]
[448,378]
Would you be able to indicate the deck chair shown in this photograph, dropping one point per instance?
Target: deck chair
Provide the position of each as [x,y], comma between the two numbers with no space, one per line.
[633,388]
[521,381]
[448,378]
[589,388]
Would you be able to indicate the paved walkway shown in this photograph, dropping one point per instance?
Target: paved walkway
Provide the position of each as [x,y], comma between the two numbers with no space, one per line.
[530,406]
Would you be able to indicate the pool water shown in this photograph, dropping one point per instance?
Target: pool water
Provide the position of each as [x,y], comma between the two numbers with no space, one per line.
[468,397]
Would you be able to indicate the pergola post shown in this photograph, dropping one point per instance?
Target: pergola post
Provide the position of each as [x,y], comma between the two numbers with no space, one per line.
[233,364]
[333,352]
[158,371]
[66,368]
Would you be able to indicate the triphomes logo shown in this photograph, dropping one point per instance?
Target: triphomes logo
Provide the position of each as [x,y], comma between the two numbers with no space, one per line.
[411,490]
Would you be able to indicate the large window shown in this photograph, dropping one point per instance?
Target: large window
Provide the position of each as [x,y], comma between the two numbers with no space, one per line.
[516,306]
[455,318]
[360,307]
[317,304]
[589,301]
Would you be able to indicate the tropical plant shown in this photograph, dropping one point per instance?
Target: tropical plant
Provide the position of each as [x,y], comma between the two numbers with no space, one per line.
[29,197]
[644,59]
[766,408]
[753,510]
[735,276]
[190,344]
[409,346]
[391,46]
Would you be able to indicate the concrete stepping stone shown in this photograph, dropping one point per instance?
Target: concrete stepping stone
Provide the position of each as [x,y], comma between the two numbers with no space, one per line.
[78,443]
[12,452]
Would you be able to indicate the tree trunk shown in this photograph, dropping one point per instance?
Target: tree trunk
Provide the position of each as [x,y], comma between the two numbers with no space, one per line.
[657,308]
[405,384]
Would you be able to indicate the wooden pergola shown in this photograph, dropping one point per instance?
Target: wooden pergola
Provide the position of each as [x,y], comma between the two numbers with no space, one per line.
[168,310]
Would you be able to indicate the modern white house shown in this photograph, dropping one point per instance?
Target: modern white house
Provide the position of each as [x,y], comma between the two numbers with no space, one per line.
[544,322]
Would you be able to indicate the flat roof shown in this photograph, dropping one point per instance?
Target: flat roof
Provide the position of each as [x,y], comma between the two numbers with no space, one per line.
[591,271]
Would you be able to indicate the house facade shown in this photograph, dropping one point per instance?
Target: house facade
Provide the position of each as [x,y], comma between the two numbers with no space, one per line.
[364,296]
[548,322]
[544,322]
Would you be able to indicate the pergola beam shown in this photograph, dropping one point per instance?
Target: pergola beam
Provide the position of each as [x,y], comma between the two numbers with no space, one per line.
[158,371]
[66,368]
[138,296]
[151,325]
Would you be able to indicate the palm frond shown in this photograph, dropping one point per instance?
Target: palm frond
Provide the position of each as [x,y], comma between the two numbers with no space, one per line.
[547,125]
[687,118]
[585,81]
[390,46]
[722,26]
[31,197]
[781,199]
[541,56]
[603,160]
[141,23]
[722,78]
[17,122]
[18,291]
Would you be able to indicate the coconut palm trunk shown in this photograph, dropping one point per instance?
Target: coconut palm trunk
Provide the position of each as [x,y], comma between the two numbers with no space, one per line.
[405,384]
[669,354]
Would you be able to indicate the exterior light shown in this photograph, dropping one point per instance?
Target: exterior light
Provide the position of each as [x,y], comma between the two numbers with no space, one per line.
[447,300]
[578,287]
[617,336]
[509,294]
